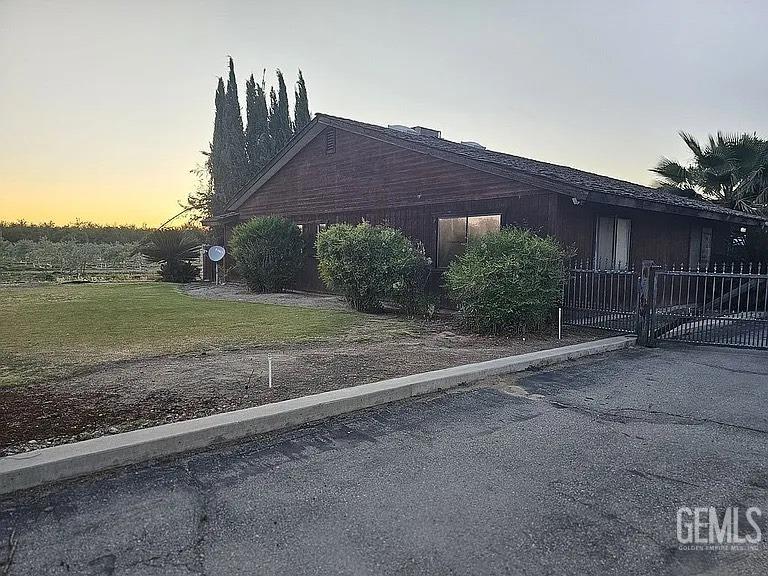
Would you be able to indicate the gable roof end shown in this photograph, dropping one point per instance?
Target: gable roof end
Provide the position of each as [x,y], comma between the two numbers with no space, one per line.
[293,147]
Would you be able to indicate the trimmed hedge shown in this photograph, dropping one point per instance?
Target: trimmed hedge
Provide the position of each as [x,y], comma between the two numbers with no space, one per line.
[507,280]
[268,251]
[373,264]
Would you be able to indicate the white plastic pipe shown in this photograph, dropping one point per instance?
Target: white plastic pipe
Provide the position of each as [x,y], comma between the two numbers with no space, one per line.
[559,323]
[269,364]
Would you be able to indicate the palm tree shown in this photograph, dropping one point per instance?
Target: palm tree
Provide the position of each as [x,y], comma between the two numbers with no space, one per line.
[731,170]
[174,249]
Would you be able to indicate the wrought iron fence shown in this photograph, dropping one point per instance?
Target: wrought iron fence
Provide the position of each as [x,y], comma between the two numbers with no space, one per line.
[601,298]
[726,304]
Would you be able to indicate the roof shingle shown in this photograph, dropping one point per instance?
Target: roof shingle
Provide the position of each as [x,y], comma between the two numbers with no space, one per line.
[585,181]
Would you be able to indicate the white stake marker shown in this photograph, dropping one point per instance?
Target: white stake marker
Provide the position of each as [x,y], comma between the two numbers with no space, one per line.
[559,323]
[269,363]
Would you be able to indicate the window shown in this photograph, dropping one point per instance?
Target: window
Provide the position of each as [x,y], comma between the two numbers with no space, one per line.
[322,226]
[612,241]
[700,247]
[301,228]
[453,233]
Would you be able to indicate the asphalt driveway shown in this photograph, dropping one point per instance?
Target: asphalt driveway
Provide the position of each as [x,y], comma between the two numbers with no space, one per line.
[577,470]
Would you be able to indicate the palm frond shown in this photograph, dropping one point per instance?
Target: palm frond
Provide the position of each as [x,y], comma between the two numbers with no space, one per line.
[691,142]
[671,172]
[730,168]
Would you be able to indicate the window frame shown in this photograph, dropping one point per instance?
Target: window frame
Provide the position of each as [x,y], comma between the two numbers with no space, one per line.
[466,217]
[696,258]
[614,243]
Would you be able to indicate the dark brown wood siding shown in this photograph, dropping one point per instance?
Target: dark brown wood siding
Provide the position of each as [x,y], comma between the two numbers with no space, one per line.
[664,238]
[366,179]
[374,181]
[365,174]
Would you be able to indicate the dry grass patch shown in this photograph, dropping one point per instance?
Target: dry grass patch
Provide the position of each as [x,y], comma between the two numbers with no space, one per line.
[52,332]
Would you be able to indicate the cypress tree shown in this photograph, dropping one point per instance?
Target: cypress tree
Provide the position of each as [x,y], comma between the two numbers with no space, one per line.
[273,121]
[235,137]
[265,142]
[301,114]
[280,128]
[238,154]
[217,164]
[257,131]
[251,135]
[285,111]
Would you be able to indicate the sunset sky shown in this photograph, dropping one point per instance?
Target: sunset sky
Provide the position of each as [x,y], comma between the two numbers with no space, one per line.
[105,105]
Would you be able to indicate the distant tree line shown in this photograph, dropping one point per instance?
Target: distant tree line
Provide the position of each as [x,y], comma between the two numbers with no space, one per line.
[79,232]
[238,151]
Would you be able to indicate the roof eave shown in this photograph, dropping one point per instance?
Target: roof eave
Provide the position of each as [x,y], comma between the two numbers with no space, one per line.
[615,200]
[220,219]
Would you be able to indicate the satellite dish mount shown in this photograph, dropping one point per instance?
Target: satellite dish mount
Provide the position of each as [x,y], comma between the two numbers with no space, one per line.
[216,254]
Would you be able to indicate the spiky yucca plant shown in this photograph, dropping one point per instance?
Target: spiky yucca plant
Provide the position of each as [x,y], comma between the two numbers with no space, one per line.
[174,249]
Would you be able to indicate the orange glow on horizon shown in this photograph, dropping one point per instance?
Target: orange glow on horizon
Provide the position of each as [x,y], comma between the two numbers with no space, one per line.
[64,204]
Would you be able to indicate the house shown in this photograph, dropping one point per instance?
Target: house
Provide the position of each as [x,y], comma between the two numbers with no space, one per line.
[441,193]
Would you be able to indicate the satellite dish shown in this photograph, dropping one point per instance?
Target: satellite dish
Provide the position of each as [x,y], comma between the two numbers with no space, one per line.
[216,253]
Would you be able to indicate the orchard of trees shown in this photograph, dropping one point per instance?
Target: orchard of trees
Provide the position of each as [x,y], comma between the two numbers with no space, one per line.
[68,255]
[79,248]
[77,231]
[238,150]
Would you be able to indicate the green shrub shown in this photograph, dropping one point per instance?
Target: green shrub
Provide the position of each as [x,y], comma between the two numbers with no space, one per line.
[268,252]
[180,271]
[507,280]
[410,292]
[372,264]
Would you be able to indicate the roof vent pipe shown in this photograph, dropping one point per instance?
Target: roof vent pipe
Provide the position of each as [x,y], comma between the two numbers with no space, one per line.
[401,128]
[422,131]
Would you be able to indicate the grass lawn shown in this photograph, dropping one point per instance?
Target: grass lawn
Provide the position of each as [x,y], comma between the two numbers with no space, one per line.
[49,332]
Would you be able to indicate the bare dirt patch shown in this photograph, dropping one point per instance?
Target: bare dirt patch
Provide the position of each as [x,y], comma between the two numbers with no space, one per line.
[122,396]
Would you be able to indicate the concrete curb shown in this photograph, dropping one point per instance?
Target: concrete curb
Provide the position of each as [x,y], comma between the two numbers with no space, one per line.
[31,469]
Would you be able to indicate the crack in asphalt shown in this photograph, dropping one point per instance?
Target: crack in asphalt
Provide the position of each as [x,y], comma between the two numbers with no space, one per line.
[732,370]
[654,476]
[201,526]
[617,412]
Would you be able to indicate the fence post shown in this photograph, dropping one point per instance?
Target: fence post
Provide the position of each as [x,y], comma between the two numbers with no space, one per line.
[645,304]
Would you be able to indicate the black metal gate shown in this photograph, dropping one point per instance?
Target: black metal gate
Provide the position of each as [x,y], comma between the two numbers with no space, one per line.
[726,305]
